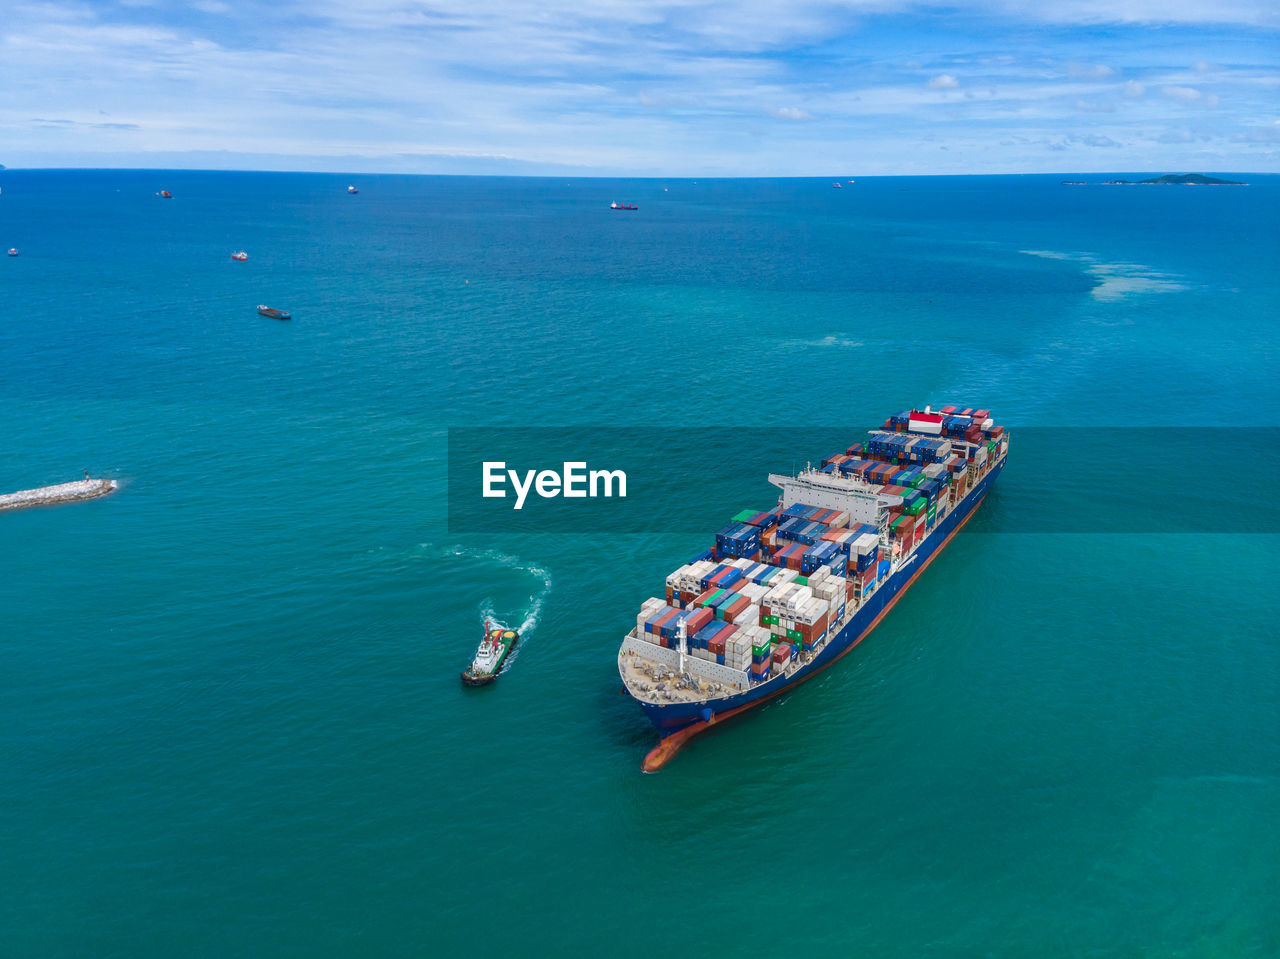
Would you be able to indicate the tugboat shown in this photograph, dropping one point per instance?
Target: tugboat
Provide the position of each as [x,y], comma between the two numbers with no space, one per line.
[240,255]
[490,655]
[165,195]
[13,251]
[273,313]
[352,189]
[623,206]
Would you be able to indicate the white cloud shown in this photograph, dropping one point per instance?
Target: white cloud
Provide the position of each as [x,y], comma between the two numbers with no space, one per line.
[1134,90]
[944,81]
[1089,71]
[1182,94]
[1262,134]
[791,113]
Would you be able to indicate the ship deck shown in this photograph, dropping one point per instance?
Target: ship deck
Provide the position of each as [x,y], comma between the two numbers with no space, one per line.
[650,672]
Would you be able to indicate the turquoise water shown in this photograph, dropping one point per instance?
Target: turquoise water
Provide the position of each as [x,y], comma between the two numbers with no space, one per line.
[230,715]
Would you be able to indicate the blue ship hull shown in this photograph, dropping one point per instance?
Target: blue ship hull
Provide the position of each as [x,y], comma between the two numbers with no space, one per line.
[672,718]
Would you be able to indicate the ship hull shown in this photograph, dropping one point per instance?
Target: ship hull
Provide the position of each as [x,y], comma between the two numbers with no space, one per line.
[470,678]
[676,722]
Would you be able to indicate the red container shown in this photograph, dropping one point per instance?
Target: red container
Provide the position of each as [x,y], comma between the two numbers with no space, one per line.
[699,619]
[981,415]
[948,410]
[781,652]
[716,645]
[739,606]
[663,619]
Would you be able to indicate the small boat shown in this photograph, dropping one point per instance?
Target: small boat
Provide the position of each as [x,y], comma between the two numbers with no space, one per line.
[838,185]
[623,206]
[13,251]
[352,189]
[493,651]
[240,255]
[273,313]
[165,194]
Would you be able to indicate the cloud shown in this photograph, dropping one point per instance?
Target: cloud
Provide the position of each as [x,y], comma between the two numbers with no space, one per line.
[1190,96]
[641,86]
[1262,134]
[1182,94]
[791,113]
[70,124]
[1089,71]
[1094,140]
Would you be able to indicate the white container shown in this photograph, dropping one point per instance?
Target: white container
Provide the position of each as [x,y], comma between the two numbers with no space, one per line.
[677,576]
[866,544]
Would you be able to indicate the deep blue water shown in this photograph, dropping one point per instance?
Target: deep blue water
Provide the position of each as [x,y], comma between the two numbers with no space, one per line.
[230,715]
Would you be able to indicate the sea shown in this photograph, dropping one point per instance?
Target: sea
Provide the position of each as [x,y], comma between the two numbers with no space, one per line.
[231,722]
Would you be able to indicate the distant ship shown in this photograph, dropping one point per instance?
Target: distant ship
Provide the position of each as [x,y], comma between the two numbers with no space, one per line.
[838,185]
[273,313]
[240,255]
[623,206]
[13,251]
[352,189]
[165,194]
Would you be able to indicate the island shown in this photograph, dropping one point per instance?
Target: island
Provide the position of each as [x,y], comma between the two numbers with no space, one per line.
[1180,179]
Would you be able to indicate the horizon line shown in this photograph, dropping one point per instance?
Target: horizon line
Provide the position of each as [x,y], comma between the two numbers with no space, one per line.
[620,176]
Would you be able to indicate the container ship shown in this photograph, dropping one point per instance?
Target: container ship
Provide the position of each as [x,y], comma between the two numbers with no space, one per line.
[786,592]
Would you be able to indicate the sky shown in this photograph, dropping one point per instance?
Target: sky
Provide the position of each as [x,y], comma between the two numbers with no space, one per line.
[617,87]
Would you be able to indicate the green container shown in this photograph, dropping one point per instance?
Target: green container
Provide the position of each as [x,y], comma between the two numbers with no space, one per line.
[917,481]
[745,515]
[802,580]
[915,508]
[794,634]
[770,621]
[761,650]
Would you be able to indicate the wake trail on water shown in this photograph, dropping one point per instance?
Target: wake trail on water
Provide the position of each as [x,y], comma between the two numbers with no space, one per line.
[536,598]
